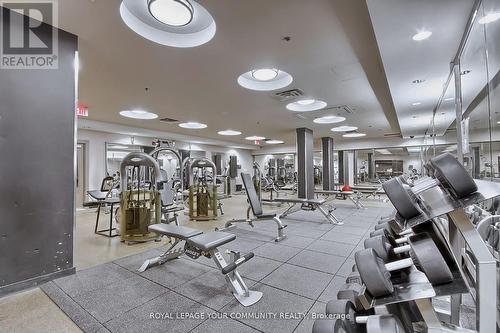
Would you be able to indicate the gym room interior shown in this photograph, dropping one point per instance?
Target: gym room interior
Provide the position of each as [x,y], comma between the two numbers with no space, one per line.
[285,166]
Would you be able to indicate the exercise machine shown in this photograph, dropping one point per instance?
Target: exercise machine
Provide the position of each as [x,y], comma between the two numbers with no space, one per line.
[203,201]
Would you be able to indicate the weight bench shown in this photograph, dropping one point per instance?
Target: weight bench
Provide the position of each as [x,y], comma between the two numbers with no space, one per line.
[198,244]
[308,204]
[345,195]
[256,207]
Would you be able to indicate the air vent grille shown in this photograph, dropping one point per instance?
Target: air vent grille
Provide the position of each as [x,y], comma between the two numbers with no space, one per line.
[289,94]
[392,135]
[169,120]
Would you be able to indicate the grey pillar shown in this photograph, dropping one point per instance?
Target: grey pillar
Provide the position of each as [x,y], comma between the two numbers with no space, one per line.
[328,167]
[476,163]
[341,166]
[37,169]
[305,166]
[355,167]
[371,167]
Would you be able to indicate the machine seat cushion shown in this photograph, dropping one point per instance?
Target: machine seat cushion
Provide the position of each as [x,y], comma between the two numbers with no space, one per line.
[175,231]
[211,240]
[301,201]
[266,216]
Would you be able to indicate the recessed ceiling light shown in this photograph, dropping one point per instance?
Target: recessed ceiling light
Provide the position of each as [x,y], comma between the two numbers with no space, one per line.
[176,13]
[498,122]
[344,129]
[300,107]
[422,35]
[255,138]
[138,114]
[306,101]
[193,125]
[490,17]
[353,135]
[274,142]
[416,103]
[229,133]
[417,81]
[265,74]
[465,72]
[329,120]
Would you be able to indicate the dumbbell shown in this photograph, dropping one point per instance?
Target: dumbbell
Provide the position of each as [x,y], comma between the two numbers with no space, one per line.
[448,173]
[353,278]
[384,249]
[390,229]
[424,254]
[356,321]
[350,292]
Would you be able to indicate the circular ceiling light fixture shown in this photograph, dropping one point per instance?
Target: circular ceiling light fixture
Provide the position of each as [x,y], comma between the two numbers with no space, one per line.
[265,74]
[422,35]
[255,138]
[274,142]
[306,105]
[177,23]
[329,120]
[229,132]
[490,17]
[193,125]
[354,135]
[416,103]
[138,114]
[418,81]
[265,79]
[176,13]
[344,129]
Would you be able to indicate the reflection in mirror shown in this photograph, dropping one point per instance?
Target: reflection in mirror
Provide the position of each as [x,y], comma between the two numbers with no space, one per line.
[115,152]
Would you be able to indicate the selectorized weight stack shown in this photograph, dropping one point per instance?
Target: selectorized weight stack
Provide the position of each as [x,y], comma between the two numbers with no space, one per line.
[203,202]
[139,198]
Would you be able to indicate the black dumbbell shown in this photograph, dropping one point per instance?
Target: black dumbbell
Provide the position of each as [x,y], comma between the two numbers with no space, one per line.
[353,278]
[350,292]
[424,254]
[384,249]
[448,173]
[356,321]
[394,233]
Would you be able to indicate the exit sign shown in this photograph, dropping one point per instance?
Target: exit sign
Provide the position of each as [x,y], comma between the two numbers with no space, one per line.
[82,110]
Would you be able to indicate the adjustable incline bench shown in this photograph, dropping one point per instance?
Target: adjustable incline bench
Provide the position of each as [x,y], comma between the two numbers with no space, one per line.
[199,244]
[354,196]
[256,207]
[297,204]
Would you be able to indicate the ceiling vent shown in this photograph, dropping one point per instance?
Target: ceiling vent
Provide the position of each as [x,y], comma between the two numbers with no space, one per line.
[169,120]
[287,95]
[392,135]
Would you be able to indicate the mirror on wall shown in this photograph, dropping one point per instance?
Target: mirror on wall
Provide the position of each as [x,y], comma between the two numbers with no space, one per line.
[115,152]
[279,168]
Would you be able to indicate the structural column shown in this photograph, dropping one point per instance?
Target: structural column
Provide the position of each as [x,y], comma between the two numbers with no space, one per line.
[328,167]
[305,165]
[371,167]
[341,166]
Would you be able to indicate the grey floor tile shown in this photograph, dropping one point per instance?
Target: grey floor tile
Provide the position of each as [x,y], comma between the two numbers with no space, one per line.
[332,289]
[298,280]
[318,261]
[336,236]
[111,301]
[305,231]
[132,263]
[335,248]
[297,241]
[345,229]
[176,272]
[148,316]
[93,278]
[223,326]
[346,268]
[243,245]
[258,267]
[277,252]
[306,324]
[276,303]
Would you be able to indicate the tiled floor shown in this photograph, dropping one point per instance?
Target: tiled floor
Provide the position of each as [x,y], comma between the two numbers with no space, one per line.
[297,276]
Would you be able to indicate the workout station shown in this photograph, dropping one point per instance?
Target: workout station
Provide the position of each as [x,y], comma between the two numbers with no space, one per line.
[285,166]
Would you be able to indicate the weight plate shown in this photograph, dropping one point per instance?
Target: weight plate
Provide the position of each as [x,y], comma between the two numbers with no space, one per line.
[381,225]
[373,273]
[428,259]
[380,245]
[329,326]
[398,194]
[384,324]
[353,278]
[377,232]
[452,175]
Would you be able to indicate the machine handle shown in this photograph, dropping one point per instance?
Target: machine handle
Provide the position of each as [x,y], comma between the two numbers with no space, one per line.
[232,266]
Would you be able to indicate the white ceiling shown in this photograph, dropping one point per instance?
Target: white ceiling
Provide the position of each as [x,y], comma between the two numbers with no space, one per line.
[332,56]
[405,60]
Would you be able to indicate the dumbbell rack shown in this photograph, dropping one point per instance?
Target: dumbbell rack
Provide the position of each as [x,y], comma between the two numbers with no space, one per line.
[476,271]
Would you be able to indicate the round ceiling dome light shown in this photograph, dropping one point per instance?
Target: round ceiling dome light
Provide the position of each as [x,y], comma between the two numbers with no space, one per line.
[255,138]
[265,74]
[229,132]
[354,135]
[490,17]
[344,129]
[177,23]
[299,106]
[138,114]
[265,79]
[192,125]
[274,142]
[329,120]
[176,13]
[422,35]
